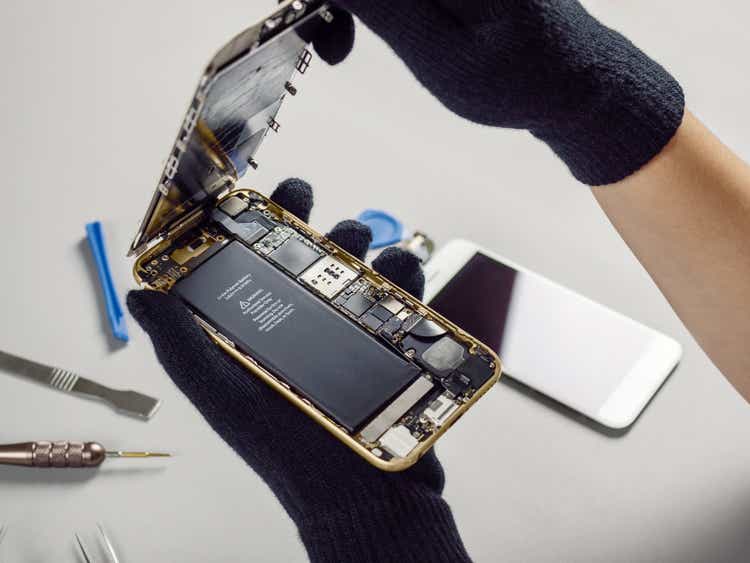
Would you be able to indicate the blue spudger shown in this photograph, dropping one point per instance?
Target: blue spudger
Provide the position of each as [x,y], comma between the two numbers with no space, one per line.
[386,229]
[115,313]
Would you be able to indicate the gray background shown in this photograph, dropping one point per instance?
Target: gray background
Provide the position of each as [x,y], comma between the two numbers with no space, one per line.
[92,96]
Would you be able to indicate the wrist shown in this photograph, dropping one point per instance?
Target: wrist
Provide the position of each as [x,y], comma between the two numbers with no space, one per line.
[415,525]
[628,112]
[608,146]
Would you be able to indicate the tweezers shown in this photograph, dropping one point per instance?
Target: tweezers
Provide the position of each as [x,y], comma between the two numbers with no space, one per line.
[108,544]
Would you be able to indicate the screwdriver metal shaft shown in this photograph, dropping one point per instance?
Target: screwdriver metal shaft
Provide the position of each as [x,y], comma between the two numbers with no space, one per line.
[62,454]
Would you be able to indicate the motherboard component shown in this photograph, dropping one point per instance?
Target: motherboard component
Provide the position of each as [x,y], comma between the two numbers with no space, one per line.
[426,328]
[295,335]
[380,313]
[477,368]
[457,383]
[192,249]
[189,252]
[278,236]
[295,256]
[396,409]
[372,322]
[357,304]
[391,329]
[398,441]
[249,231]
[429,344]
[254,216]
[329,276]
[391,304]
[444,355]
[233,206]
[439,410]
[411,321]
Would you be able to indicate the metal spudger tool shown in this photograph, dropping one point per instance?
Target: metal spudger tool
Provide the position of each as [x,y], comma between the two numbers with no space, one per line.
[130,402]
[62,454]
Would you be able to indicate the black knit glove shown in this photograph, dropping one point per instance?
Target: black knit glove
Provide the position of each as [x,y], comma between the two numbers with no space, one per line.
[547,66]
[344,509]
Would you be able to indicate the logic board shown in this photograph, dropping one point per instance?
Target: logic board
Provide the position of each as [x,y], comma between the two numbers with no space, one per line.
[372,361]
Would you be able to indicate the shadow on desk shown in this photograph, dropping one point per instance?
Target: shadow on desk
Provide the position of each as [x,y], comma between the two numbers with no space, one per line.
[523,389]
[725,541]
[717,535]
[54,476]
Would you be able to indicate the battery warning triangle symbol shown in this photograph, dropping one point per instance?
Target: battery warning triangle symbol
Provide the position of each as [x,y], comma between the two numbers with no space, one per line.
[244,305]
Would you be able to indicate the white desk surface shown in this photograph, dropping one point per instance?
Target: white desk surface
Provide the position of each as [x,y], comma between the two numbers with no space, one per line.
[92,96]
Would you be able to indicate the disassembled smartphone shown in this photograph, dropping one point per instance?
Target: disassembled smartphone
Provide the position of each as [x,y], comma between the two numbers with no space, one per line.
[378,369]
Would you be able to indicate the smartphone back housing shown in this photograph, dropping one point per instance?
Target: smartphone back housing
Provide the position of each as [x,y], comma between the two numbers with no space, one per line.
[378,369]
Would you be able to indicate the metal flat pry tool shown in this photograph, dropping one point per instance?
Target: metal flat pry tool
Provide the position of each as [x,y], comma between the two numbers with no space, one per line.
[130,402]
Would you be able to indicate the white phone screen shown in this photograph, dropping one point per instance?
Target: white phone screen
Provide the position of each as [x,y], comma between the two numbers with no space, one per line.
[548,337]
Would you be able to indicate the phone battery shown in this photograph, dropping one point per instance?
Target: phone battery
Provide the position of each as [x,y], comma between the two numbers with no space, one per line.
[343,370]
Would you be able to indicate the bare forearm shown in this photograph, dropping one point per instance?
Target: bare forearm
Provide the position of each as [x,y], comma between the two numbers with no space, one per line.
[686,216]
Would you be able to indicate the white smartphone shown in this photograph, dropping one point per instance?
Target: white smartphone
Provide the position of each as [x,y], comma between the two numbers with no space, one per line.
[574,350]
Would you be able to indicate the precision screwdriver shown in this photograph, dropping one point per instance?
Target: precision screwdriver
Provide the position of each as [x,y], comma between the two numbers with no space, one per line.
[62,454]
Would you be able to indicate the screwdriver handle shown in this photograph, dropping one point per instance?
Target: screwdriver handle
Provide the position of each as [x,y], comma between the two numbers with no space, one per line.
[53,454]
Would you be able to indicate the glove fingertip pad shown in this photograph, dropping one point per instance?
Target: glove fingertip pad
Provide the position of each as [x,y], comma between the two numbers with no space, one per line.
[402,268]
[352,236]
[296,196]
[335,40]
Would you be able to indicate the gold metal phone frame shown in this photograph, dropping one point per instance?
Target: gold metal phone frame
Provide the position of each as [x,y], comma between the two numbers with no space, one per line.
[194,220]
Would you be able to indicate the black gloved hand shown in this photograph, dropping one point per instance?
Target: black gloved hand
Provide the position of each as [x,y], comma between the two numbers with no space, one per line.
[544,65]
[344,509]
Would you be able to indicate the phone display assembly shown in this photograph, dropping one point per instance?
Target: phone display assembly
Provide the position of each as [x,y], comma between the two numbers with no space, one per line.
[378,369]
[581,354]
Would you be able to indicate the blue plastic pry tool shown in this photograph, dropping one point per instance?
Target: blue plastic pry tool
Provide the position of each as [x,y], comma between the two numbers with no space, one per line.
[386,229]
[115,313]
